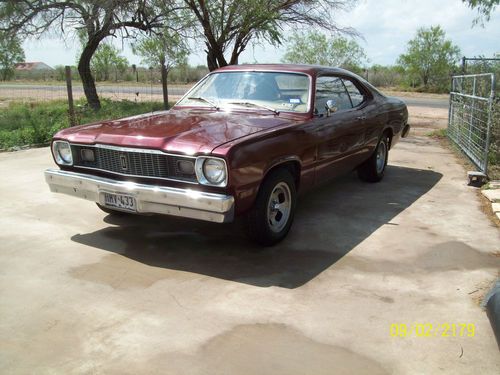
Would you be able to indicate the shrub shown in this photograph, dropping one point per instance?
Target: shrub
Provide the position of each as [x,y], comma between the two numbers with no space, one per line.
[23,124]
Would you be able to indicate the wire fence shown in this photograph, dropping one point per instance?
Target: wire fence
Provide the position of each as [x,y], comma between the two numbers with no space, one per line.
[32,112]
[477,65]
[35,92]
[472,99]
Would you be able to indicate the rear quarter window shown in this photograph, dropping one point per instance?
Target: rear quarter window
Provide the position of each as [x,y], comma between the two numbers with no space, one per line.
[356,96]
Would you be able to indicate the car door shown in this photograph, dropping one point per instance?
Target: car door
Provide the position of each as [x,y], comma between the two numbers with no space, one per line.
[340,134]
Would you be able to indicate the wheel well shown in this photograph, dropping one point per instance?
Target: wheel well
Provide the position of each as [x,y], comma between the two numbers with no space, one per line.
[388,132]
[292,166]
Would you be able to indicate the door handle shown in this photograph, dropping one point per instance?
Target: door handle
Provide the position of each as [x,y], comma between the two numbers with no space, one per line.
[362,118]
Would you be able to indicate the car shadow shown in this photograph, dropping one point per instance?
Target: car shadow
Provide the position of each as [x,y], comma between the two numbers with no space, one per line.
[329,222]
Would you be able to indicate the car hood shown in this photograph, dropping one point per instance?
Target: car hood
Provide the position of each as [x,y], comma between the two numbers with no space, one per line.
[184,131]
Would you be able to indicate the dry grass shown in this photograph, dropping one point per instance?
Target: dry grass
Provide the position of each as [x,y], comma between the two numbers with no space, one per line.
[482,289]
[488,211]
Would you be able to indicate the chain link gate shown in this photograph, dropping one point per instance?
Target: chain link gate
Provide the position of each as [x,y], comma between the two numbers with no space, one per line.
[470,115]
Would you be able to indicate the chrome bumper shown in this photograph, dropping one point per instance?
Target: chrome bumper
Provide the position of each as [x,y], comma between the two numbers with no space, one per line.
[189,203]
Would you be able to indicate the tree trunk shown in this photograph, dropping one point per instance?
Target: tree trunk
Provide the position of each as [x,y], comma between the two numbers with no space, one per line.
[426,76]
[215,58]
[222,60]
[234,59]
[211,60]
[86,75]
[164,84]
[238,48]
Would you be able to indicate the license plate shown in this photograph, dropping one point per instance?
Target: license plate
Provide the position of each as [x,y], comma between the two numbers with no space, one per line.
[121,201]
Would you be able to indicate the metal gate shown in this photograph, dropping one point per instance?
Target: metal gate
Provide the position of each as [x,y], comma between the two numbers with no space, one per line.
[470,116]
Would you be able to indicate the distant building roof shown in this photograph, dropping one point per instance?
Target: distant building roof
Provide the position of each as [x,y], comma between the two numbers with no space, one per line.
[30,66]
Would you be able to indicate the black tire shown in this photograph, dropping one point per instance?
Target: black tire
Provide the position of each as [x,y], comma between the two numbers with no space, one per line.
[373,169]
[278,185]
[110,211]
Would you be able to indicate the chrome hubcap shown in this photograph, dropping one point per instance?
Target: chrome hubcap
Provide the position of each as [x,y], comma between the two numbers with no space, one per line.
[278,207]
[381,156]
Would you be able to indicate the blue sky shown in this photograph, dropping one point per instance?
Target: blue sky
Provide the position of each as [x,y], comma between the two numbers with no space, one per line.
[386,26]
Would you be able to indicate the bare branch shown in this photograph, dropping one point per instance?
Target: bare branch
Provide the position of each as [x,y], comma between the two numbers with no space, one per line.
[229,25]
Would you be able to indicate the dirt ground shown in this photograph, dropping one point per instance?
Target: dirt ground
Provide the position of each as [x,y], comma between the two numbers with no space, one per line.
[82,292]
[423,120]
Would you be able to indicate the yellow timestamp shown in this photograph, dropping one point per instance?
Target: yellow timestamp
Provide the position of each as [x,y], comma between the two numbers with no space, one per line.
[432,330]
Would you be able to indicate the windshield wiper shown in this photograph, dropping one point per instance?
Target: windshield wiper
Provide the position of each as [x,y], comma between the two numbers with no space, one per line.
[250,104]
[205,100]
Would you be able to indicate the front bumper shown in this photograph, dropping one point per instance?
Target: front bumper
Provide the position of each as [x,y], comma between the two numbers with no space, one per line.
[188,203]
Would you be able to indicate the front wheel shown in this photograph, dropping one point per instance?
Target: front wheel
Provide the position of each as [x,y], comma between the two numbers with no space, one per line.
[373,169]
[271,217]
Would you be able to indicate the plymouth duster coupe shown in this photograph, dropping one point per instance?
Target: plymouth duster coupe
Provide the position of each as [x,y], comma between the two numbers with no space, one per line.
[244,141]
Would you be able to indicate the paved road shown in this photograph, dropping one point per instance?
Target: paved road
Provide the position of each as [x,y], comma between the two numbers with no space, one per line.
[426,102]
[82,292]
[176,90]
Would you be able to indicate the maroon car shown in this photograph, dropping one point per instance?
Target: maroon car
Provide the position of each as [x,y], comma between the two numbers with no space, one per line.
[244,141]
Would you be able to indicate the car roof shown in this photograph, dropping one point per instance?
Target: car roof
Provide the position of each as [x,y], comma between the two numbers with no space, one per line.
[296,68]
[312,70]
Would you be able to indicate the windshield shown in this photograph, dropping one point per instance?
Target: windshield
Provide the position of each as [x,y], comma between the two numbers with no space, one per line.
[273,91]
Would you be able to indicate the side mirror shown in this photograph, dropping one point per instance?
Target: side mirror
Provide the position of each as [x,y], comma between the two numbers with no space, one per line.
[331,107]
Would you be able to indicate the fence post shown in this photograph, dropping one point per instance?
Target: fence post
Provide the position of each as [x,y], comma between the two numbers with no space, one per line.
[450,108]
[164,85]
[69,87]
[490,123]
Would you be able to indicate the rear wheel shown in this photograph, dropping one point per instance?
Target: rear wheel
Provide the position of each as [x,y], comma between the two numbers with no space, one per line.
[271,217]
[373,169]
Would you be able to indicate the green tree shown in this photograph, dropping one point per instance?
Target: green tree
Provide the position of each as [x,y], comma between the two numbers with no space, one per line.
[319,49]
[11,52]
[164,49]
[227,26]
[385,76]
[60,72]
[107,60]
[97,19]
[430,58]
[484,8]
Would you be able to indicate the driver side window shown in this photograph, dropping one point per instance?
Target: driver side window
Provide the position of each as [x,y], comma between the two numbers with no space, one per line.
[331,88]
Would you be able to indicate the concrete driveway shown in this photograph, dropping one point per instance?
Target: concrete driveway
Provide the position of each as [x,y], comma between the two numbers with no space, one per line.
[86,293]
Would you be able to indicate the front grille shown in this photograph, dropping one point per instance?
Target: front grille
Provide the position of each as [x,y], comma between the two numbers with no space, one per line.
[141,163]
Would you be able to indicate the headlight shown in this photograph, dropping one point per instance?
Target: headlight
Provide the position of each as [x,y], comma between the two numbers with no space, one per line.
[211,171]
[62,153]
[214,171]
